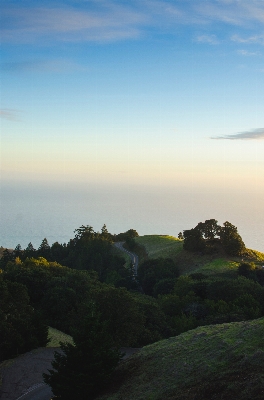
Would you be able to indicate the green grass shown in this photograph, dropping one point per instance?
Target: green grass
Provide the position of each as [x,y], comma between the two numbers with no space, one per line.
[218,266]
[210,362]
[160,245]
[188,262]
[56,337]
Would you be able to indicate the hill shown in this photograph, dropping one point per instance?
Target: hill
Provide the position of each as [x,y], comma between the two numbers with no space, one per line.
[160,245]
[191,262]
[210,362]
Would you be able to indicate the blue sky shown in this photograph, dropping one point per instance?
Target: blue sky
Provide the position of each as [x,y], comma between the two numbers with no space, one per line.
[147,92]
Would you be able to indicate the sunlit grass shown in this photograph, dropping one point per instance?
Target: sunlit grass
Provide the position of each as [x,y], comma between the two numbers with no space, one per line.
[160,245]
[218,266]
[56,337]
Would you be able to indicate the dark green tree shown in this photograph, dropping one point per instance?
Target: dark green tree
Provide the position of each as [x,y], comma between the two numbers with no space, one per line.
[152,271]
[85,368]
[18,252]
[29,251]
[210,229]
[231,240]
[44,249]
[193,240]
[21,328]
[6,257]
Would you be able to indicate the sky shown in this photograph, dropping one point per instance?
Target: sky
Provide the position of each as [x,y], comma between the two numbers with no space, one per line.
[134,94]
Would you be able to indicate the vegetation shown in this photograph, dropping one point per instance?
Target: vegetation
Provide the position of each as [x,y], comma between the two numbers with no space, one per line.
[206,278]
[21,327]
[206,237]
[85,366]
[163,246]
[56,337]
[211,362]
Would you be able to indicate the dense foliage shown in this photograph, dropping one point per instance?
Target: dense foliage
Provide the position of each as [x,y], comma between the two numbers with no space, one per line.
[88,250]
[21,327]
[206,236]
[85,367]
[59,285]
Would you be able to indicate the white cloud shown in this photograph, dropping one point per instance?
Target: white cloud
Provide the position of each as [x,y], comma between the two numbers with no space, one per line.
[70,24]
[211,39]
[248,53]
[258,39]
[99,20]
[247,135]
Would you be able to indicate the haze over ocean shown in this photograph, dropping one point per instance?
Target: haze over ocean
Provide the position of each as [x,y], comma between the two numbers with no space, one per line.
[30,213]
[141,114]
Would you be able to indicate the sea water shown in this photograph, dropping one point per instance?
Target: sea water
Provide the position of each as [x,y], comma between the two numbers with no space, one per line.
[31,211]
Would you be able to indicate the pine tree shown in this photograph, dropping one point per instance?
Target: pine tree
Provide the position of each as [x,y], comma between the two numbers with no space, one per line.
[44,249]
[85,368]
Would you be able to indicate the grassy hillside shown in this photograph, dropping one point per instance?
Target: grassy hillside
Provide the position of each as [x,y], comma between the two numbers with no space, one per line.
[56,337]
[160,245]
[211,362]
[188,262]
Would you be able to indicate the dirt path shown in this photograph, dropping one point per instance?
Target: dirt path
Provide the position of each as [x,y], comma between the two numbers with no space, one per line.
[24,372]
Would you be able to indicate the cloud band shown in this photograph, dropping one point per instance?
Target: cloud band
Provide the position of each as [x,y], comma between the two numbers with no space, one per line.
[247,135]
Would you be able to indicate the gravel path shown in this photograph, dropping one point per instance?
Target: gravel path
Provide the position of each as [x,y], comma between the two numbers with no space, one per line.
[23,373]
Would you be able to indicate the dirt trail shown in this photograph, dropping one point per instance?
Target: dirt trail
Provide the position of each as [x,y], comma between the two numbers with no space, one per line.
[24,372]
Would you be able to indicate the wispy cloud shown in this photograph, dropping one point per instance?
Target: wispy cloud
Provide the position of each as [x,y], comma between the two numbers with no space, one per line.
[108,22]
[211,39]
[258,39]
[54,65]
[9,114]
[247,135]
[233,12]
[111,20]
[248,53]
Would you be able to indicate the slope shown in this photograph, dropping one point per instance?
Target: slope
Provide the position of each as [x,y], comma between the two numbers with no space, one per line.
[210,362]
[191,262]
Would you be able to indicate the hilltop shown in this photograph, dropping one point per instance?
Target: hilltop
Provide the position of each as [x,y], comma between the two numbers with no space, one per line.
[210,362]
[163,246]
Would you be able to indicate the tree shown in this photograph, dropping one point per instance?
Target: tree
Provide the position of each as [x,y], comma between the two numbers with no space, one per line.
[44,249]
[120,308]
[29,251]
[193,240]
[105,234]
[6,257]
[84,231]
[84,368]
[180,236]
[152,271]
[205,234]
[210,229]
[18,252]
[247,269]
[231,240]
[21,327]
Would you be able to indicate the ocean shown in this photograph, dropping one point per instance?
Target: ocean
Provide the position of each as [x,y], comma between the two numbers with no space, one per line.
[31,211]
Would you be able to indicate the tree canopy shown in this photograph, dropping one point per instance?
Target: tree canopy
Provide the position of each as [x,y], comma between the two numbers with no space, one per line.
[207,235]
